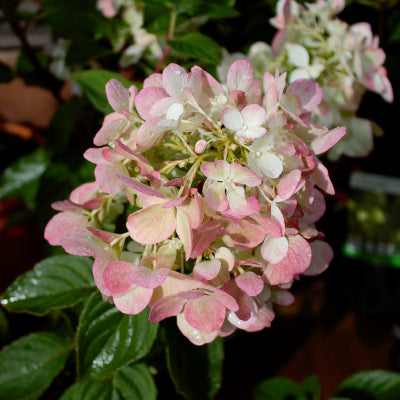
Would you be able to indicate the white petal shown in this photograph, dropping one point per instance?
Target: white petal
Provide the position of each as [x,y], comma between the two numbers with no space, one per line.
[298,55]
[270,164]
[232,118]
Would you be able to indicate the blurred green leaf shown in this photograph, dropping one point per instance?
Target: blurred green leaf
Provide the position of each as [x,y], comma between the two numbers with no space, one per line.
[195,370]
[93,83]
[311,388]
[55,282]
[279,389]
[6,75]
[198,46]
[374,385]
[84,49]
[70,17]
[109,339]
[29,364]
[22,178]
[59,131]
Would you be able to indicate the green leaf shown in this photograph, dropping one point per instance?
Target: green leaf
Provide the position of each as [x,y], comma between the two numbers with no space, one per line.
[89,390]
[311,388]
[6,75]
[371,385]
[62,124]
[93,83]
[135,382]
[84,49]
[69,17]
[109,339]
[56,282]
[195,370]
[22,178]
[198,46]
[29,364]
[279,389]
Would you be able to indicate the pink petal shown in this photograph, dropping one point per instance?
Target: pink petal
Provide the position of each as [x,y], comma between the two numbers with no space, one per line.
[327,140]
[232,118]
[175,79]
[106,177]
[195,336]
[207,270]
[153,80]
[308,91]
[140,187]
[205,234]
[218,170]
[147,278]
[147,135]
[84,193]
[184,231]
[242,175]
[113,127]
[295,262]
[321,178]
[240,75]
[62,224]
[250,283]
[246,235]
[271,94]
[107,237]
[215,197]
[116,277]
[134,301]
[322,255]
[151,225]
[205,314]
[146,98]
[171,305]
[265,316]
[277,216]
[289,184]
[243,312]
[117,95]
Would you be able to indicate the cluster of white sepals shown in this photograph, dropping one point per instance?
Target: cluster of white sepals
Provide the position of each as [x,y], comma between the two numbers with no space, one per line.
[205,198]
[344,59]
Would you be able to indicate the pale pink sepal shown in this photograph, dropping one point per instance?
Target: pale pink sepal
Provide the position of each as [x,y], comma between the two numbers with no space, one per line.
[207,270]
[175,79]
[250,283]
[240,75]
[205,234]
[63,224]
[172,305]
[205,313]
[146,98]
[151,225]
[327,140]
[321,178]
[147,278]
[113,126]
[265,316]
[116,277]
[134,301]
[308,92]
[147,135]
[322,255]
[117,95]
[195,336]
[295,262]
[289,184]
[84,193]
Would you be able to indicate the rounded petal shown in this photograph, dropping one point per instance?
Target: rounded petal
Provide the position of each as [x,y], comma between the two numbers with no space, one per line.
[250,283]
[151,225]
[274,249]
[116,277]
[205,314]
[134,301]
[117,95]
[207,270]
[232,118]
[253,115]
[147,278]
[195,336]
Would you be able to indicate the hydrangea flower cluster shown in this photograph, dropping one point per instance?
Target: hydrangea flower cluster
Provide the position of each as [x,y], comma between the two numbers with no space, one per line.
[205,198]
[345,60]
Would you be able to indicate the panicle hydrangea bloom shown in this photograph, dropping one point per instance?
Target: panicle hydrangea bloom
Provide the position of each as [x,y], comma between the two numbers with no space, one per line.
[345,60]
[205,199]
